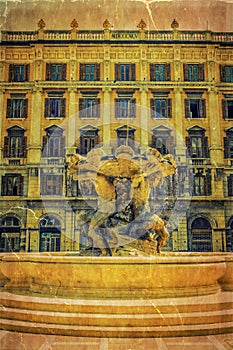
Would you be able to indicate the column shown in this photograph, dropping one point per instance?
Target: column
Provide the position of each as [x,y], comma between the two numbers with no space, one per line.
[2,93]
[35,137]
[144,115]
[107,120]
[34,144]
[179,137]
[71,122]
[216,150]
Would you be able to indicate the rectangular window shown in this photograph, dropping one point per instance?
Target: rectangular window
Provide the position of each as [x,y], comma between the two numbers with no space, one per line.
[160,72]
[89,107]
[18,72]
[90,72]
[88,141]
[164,143]
[15,147]
[125,108]
[55,71]
[53,146]
[226,74]
[161,108]
[51,184]
[230,185]
[125,72]
[193,72]
[227,109]
[17,108]
[195,108]
[55,107]
[202,183]
[12,185]
[228,147]
[197,146]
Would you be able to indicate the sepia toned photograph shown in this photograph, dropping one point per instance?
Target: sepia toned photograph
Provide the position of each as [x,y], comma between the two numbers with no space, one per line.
[116,175]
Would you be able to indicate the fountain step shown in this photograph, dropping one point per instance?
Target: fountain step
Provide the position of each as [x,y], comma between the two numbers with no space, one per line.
[137,318]
[123,331]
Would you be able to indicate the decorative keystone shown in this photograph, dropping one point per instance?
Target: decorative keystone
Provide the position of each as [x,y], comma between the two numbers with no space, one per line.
[141,25]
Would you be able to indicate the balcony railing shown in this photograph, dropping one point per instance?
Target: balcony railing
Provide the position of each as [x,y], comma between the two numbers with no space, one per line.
[116,35]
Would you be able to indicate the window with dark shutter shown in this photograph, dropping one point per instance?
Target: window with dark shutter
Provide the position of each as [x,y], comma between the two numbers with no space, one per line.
[82,72]
[63,71]
[24,108]
[12,185]
[45,146]
[186,72]
[207,184]
[19,73]
[81,108]
[125,72]
[200,72]
[187,108]
[6,150]
[205,147]
[63,108]
[230,185]
[55,71]
[222,74]
[11,72]
[202,104]
[133,108]
[189,145]
[167,72]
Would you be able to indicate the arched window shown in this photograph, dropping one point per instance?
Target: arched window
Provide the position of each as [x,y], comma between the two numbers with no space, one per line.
[201,236]
[50,234]
[10,234]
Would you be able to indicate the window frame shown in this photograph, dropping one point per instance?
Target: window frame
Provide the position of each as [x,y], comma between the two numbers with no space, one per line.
[226,77]
[59,74]
[51,184]
[193,72]
[56,104]
[125,107]
[201,108]
[85,75]
[154,102]
[17,108]
[160,72]
[18,77]
[125,71]
[8,186]
[89,107]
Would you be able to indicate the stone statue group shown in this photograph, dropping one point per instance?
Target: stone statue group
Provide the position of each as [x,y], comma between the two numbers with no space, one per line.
[122,183]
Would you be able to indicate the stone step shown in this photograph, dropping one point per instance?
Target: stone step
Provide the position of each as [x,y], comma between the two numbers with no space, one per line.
[117,320]
[211,314]
[100,331]
[220,301]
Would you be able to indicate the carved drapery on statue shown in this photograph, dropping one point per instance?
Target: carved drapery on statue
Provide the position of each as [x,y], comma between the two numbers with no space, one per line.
[122,220]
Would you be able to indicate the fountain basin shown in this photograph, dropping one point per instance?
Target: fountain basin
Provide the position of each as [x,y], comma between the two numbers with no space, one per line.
[66,274]
[172,294]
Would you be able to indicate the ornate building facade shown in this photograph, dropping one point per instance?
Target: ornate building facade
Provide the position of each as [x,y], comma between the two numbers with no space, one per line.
[66,92]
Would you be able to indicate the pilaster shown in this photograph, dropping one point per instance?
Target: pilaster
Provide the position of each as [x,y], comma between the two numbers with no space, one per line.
[143,120]
[107,120]
[71,121]
[35,138]
[1,118]
[178,115]
[216,151]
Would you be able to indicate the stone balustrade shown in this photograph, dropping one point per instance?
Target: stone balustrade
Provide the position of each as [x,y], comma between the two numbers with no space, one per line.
[115,35]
